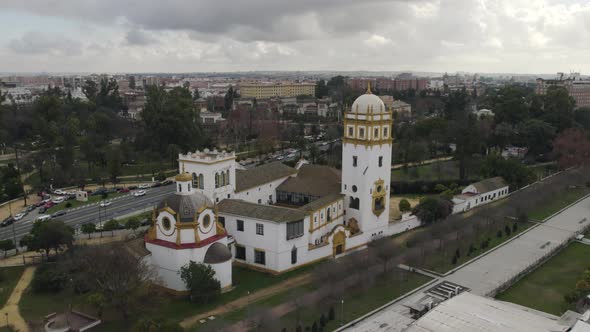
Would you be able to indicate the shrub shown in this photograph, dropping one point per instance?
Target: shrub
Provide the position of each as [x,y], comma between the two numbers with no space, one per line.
[457,253]
[404,205]
[439,188]
[331,314]
[48,278]
[499,234]
[104,195]
[322,320]
[68,205]
[514,227]
[507,230]
[454,260]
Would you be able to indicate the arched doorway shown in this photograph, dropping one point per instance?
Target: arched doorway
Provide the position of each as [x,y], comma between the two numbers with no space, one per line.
[338,243]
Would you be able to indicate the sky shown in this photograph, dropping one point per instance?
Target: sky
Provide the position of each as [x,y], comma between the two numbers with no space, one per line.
[485,36]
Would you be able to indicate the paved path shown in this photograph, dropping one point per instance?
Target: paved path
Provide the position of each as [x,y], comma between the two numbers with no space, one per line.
[11,307]
[490,270]
[247,300]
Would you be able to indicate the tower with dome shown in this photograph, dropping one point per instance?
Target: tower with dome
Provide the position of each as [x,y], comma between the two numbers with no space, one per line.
[185,228]
[366,163]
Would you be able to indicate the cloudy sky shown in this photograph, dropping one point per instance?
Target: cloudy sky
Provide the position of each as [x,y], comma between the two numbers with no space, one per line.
[518,36]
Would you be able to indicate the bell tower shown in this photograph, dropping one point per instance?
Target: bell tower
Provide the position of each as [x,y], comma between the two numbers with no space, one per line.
[366,163]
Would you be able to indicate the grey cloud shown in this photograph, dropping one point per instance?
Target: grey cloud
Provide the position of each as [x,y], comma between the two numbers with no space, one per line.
[139,38]
[35,42]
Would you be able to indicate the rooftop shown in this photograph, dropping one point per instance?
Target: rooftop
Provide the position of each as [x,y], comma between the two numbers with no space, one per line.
[490,184]
[258,211]
[254,177]
[314,180]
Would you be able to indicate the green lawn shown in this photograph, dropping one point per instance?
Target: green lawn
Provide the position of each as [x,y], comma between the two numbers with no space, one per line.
[356,303]
[10,276]
[74,203]
[559,202]
[34,306]
[544,288]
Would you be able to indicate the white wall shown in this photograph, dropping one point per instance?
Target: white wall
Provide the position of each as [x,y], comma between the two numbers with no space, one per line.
[261,192]
[208,170]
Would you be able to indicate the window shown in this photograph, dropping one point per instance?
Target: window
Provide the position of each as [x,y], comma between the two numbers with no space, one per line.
[221,221]
[361,132]
[240,225]
[294,229]
[206,221]
[201,181]
[354,161]
[195,180]
[354,188]
[179,188]
[376,135]
[259,201]
[354,203]
[216,180]
[385,133]
[294,255]
[227,177]
[166,223]
[350,131]
[259,229]
[240,252]
[380,161]
[259,257]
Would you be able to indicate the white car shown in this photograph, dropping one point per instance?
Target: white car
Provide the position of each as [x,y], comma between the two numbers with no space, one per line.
[59,192]
[139,193]
[19,216]
[143,186]
[105,203]
[44,217]
[58,200]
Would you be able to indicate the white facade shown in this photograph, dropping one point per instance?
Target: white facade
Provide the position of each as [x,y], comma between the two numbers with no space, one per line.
[262,194]
[213,172]
[475,195]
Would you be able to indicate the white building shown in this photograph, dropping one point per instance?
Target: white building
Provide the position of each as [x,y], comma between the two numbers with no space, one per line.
[210,118]
[480,193]
[185,228]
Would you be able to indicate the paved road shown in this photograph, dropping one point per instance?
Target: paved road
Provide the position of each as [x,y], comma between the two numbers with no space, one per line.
[121,206]
[489,271]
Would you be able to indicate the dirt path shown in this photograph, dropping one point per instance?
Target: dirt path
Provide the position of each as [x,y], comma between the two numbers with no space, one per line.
[247,300]
[11,307]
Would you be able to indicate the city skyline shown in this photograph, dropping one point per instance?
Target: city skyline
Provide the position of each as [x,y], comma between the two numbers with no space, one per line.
[437,36]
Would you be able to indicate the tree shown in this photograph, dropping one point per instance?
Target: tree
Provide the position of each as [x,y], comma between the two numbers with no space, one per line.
[98,301]
[321,90]
[572,148]
[431,209]
[558,107]
[404,205]
[49,235]
[114,164]
[196,94]
[111,226]
[132,82]
[200,281]
[6,245]
[538,136]
[88,228]
[133,224]
[511,170]
[384,250]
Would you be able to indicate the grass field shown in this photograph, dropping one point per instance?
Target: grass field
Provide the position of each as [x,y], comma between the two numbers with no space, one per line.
[544,288]
[558,203]
[34,306]
[10,276]
[74,203]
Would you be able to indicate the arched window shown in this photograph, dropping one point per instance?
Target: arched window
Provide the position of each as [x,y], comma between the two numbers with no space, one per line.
[222,179]
[227,177]
[195,181]
[216,180]
[179,188]
[201,182]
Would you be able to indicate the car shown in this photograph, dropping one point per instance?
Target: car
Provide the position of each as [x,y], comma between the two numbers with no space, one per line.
[143,186]
[49,205]
[156,185]
[42,210]
[139,193]
[44,217]
[8,221]
[19,216]
[32,207]
[167,182]
[105,203]
[132,187]
[99,192]
[124,190]
[58,200]
[38,204]
[58,192]
[58,214]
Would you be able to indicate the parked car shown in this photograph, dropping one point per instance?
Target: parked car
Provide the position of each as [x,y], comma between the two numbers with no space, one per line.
[32,207]
[49,205]
[19,216]
[124,190]
[157,184]
[42,210]
[132,187]
[38,204]
[139,193]
[58,214]
[58,200]
[58,192]
[44,217]
[8,221]
[143,186]
[105,203]
[99,192]
[167,182]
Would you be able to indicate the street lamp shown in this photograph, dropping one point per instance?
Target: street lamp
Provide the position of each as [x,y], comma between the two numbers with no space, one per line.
[342,313]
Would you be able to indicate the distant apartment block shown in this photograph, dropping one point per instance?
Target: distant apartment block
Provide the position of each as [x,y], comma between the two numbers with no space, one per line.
[281,89]
[389,84]
[577,88]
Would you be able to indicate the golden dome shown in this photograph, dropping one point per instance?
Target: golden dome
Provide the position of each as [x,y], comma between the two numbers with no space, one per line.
[183,177]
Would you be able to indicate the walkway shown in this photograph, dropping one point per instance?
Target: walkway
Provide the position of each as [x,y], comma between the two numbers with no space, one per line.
[248,300]
[484,274]
[11,307]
